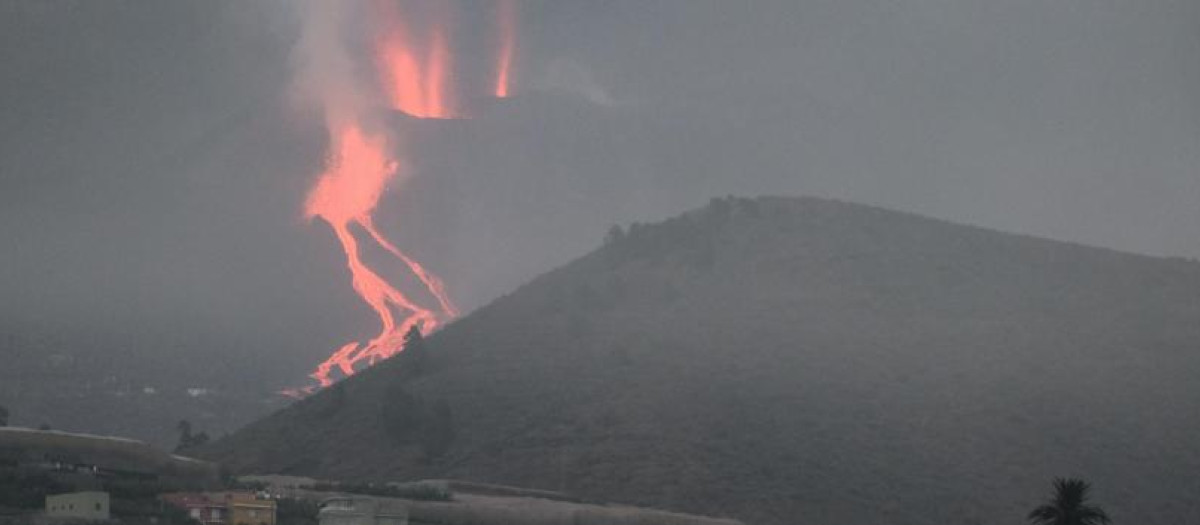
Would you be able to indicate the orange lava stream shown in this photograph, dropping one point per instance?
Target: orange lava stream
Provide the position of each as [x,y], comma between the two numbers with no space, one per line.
[417,80]
[345,194]
[432,282]
[507,21]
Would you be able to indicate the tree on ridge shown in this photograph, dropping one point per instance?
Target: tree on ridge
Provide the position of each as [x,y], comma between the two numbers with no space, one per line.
[1069,506]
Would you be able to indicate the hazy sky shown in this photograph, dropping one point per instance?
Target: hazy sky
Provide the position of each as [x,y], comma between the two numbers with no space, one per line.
[153,162]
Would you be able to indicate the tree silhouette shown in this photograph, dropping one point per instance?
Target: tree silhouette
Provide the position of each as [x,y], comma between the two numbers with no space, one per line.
[3,417]
[614,235]
[185,434]
[185,430]
[186,438]
[414,350]
[1069,506]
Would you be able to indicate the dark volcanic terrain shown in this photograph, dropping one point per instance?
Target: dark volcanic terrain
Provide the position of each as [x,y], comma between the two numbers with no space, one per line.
[793,361]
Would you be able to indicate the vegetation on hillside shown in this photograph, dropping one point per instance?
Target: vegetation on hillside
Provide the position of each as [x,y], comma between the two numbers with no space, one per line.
[187,439]
[411,420]
[782,360]
[417,491]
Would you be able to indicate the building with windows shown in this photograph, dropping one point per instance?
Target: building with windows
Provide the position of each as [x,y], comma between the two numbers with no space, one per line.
[249,509]
[78,505]
[200,506]
[225,508]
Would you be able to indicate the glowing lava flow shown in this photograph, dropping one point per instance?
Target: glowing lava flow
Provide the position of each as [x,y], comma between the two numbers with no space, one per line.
[432,282]
[417,80]
[507,21]
[345,195]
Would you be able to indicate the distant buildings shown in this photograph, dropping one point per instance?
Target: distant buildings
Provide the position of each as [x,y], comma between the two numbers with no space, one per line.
[456,502]
[363,510]
[199,506]
[91,506]
[249,509]
[225,508]
[516,507]
[100,456]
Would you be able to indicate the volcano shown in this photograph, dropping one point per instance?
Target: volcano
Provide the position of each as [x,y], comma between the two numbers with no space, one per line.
[791,360]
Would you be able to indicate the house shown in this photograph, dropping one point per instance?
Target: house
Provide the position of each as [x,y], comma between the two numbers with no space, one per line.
[249,509]
[200,506]
[225,508]
[80,505]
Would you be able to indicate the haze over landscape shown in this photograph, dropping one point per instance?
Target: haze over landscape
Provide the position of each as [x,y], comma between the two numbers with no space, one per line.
[976,267]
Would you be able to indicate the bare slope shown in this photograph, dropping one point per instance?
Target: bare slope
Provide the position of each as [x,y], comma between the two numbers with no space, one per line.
[793,361]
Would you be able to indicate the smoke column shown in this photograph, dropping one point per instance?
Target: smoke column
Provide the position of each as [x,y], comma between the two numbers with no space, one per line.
[359,168]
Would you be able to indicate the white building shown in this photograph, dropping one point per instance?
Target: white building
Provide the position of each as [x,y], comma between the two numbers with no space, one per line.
[83,505]
[362,510]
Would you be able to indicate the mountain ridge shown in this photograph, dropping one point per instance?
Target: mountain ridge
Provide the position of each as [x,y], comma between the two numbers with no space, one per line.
[775,357]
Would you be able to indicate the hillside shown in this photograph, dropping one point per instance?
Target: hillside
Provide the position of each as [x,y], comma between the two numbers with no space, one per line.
[793,361]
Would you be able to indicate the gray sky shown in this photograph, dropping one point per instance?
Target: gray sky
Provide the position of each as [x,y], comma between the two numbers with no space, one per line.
[153,164]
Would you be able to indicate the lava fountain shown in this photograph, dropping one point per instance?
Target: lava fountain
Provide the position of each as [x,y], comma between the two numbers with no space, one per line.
[507,29]
[418,88]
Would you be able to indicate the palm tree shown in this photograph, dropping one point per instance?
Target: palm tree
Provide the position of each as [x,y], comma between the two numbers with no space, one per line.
[1069,506]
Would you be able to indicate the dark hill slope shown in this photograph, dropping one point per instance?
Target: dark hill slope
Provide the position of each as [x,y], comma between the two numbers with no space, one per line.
[795,361]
